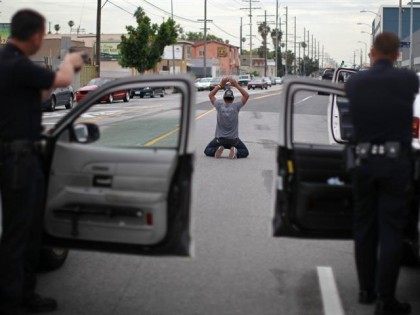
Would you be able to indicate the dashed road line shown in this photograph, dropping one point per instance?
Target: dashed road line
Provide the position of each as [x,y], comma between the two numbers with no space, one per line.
[329,292]
[305,99]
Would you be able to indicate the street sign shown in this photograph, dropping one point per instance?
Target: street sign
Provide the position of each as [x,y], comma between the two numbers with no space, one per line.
[405,44]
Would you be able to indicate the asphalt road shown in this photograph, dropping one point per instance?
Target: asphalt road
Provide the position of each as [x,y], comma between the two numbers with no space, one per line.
[237,267]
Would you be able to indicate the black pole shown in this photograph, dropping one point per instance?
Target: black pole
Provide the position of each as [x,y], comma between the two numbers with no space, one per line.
[98,37]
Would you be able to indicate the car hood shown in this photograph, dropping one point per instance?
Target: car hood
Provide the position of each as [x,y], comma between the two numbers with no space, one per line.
[88,88]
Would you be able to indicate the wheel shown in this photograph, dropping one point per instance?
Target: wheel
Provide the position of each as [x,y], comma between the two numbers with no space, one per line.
[69,104]
[126,97]
[141,95]
[52,258]
[110,98]
[53,104]
[162,95]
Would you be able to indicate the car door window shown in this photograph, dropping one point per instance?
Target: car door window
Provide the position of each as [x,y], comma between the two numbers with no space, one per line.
[120,173]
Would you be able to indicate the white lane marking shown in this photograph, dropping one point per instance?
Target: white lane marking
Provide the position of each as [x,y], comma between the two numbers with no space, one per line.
[264,96]
[305,99]
[330,297]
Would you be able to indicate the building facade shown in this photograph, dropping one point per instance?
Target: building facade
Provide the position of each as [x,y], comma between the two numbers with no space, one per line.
[227,56]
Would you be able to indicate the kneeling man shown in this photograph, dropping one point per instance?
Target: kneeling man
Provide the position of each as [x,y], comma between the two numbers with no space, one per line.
[227,122]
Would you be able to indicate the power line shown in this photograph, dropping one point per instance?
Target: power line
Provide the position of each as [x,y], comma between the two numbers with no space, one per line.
[169,13]
[119,7]
[222,30]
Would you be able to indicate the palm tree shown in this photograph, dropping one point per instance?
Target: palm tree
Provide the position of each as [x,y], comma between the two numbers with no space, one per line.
[71,24]
[57,28]
[276,36]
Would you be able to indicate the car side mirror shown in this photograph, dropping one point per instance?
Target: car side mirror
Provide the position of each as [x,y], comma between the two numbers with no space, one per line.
[86,132]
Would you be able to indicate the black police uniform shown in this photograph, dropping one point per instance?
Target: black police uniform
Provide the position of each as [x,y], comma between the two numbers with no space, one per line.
[382,111]
[21,174]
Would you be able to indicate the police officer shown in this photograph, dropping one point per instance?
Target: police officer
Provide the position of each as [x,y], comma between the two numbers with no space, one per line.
[22,85]
[381,102]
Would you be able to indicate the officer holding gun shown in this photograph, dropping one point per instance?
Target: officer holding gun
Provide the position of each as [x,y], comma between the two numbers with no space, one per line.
[23,85]
[381,102]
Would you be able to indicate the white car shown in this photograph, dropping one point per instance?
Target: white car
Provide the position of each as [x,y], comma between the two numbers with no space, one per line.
[268,80]
[278,80]
[203,84]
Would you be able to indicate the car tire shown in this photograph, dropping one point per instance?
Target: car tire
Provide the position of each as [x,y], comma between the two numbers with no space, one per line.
[162,94]
[110,99]
[53,104]
[126,97]
[69,104]
[52,258]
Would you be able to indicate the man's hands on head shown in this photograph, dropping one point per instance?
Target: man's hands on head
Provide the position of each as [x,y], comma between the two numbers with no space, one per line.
[72,63]
[224,81]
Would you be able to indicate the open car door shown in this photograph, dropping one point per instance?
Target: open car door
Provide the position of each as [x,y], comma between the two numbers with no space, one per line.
[313,197]
[340,127]
[119,175]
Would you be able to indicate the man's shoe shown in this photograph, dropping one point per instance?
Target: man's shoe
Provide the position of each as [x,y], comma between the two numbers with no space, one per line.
[38,304]
[233,153]
[392,307]
[367,297]
[219,152]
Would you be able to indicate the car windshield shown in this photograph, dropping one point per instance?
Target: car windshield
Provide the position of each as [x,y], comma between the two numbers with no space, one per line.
[216,80]
[204,80]
[257,80]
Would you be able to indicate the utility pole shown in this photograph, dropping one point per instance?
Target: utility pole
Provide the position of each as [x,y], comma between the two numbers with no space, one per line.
[361,57]
[304,50]
[250,8]
[277,37]
[354,59]
[411,36]
[287,33]
[173,46]
[400,27]
[312,46]
[240,38]
[205,20]
[294,48]
[299,61]
[322,64]
[98,37]
[318,55]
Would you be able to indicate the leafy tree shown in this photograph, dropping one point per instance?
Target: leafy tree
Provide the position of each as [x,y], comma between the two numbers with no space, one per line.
[143,47]
[289,58]
[308,66]
[57,28]
[71,24]
[199,36]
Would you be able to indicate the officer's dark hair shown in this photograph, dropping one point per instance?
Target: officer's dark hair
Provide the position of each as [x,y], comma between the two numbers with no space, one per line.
[387,43]
[26,23]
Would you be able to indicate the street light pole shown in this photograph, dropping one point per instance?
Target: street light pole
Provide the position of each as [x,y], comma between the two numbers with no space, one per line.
[366,56]
[294,47]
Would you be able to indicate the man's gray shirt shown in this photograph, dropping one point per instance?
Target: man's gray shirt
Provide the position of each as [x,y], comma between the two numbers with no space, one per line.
[227,119]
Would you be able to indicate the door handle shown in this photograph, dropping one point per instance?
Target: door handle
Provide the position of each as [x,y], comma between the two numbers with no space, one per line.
[102,181]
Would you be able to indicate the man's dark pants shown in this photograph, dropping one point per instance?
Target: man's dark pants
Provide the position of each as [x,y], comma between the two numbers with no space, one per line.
[227,144]
[382,191]
[22,204]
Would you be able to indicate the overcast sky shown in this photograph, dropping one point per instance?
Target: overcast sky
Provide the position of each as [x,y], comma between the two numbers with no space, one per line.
[333,22]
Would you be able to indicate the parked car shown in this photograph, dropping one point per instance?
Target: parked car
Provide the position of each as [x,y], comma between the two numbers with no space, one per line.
[215,81]
[147,91]
[97,82]
[244,79]
[203,84]
[60,97]
[257,83]
[268,80]
[328,74]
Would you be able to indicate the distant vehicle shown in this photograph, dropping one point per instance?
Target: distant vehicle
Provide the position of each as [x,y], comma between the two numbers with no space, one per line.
[257,83]
[59,97]
[147,91]
[203,84]
[278,80]
[244,79]
[327,74]
[97,82]
[268,80]
[214,82]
